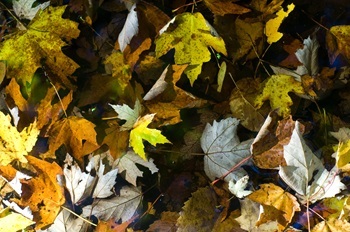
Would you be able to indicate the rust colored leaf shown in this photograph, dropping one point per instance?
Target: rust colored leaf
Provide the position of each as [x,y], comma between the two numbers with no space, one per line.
[117,141]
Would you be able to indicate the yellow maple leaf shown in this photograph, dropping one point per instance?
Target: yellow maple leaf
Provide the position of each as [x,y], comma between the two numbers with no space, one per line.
[338,39]
[25,50]
[278,204]
[343,156]
[141,132]
[119,69]
[15,145]
[276,89]
[191,38]
[77,134]
[271,30]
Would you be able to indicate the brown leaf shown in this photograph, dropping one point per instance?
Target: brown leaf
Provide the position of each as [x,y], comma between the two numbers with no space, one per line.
[167,222]
[117,141]
[292,61]
[14,91]
[222,7]
[267,148]
[278,204]
[338,39]
[267,8]
[42,193]
[77,134]
[168,104]
[241,104]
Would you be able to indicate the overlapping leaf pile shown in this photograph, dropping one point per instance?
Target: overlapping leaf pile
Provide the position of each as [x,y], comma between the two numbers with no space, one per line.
[103,116]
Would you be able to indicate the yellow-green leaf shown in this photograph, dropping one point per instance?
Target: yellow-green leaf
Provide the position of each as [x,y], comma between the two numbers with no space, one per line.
[276,90]
[142,132]
[338,39]
[15,145]
[191,38]
[271,30]
[25,51]
[119,69]
[10,221]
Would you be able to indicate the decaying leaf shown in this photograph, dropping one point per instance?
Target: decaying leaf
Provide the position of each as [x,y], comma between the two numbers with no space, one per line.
[301,165]
[276,197]
[128,163]
[222,7]
[242,104]
[271,30]
[131,28]
[120,70]
[26,51]
[120,207]
[249,214]
[129,115]
[223,150]
[77,134]
[44,195]
[276,89]
[15,145]
[198,212]
[190,38]
[338,39]
[24,8]
[66,222]
[332,225]
[10,221]
[238,188]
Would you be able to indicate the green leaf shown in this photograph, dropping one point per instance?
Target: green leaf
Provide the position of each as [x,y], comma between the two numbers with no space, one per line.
[142,132]
[191,38]
[126,113]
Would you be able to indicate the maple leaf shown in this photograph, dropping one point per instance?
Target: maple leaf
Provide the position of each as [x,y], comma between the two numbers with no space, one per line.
[276,88]
[223,149]
[276,197]
[117,140]
[191,38]
[77,134]
[337,40]
[142,132]
[166,99]
[128,163]
[10,221]
[129,115]
[120,207]
[15,145]
[301,165]
[198,213]
[45,195]
[271,30]
[24,8]
[66,222]
[26,51]
[120,70]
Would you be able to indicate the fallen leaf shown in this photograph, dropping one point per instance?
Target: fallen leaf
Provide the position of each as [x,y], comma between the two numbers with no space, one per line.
[242,104]
[67,222]
[198,213]
[42,193]
[221,76]
[129,115]
[77,134]
[130,29]
[223,150]
[271,30]
[337,40]
[238,188]
[332,225]
[10,221]
[274,196]
[301,165]
[141,132]
[222,7]
[15,145]
[249,214]
[26,51]
[128,163]
[191,38]
[267,8]
[167,222]
[276,89]
[267,147]
[116,65]
[117,140]
[24,8]
[308,56]
[120,207]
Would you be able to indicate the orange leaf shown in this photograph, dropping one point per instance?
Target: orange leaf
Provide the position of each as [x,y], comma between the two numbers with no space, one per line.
[77,134]
[42,193]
